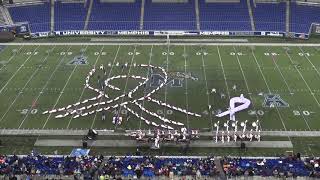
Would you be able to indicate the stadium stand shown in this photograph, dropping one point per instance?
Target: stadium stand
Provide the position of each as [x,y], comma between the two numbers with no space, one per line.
[278,167]
[137,166]
[220,16]
[95,166]
[38,16]
[115,16]
[69,16]
[169,16]
[270,16]
[224,16]
[302,16]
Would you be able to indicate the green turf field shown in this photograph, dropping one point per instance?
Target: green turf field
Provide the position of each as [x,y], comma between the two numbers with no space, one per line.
[34,79]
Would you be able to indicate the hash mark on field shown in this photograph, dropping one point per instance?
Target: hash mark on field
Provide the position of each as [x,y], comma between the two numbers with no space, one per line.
[17,71]
[145,88]
[84,87]
[24,87]
[279,70]
[205,79]
[265,81]
[246,83]
[125,86]
[304,118]
[304,55]
[43,88]
[11,58]
[303,79]
[186,82]
[57,101]
[112,66]
[224,74]
[166,87]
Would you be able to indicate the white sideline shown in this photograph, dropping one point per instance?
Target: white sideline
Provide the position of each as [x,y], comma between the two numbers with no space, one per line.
[171,43]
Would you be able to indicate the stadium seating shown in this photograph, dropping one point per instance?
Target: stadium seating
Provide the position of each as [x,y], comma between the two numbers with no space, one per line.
[115,16]
[113,166]
[69,16]
[94,166]
[169,16]
[302,16]
[38,16]
[270,16]
[224,16]
[280,167]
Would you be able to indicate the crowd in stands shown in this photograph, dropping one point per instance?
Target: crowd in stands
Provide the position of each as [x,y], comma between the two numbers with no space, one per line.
[290,166]
[155,166]
[99,167]
[92,167]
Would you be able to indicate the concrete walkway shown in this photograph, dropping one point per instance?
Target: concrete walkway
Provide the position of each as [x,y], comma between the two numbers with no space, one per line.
[133,143]
[71,132]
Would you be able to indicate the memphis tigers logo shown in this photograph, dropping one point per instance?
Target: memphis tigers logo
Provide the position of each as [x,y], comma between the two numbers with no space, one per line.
[274,100]
[23,29]
[177,81]
[79,60]
[157,79]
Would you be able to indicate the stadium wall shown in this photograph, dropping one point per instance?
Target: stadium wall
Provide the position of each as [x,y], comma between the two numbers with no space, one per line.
[166,33]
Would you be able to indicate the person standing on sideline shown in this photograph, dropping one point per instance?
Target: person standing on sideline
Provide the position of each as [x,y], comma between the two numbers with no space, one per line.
[103,117]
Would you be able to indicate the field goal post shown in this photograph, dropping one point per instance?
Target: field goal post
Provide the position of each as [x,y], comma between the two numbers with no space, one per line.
[168,40]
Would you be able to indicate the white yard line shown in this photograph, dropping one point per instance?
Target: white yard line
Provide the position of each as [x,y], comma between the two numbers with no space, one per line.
[186,84]
[312,94]
[83,89]
[207,90]
[279,70]
[43,88]
[57,101]
[313,66]
[166,86]
[18,70]
[265,81]
[246,83]
[144,92]
[114,60]
[224,74]
[244,77]
[127,80]
[304,118]
[23,88]
[11,57]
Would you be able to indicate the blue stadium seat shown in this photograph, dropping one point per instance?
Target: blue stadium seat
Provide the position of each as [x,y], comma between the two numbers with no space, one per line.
[37,15]
[69,16]
[115,16]
[169,16]
[302,16]
[224,16]
[270,16]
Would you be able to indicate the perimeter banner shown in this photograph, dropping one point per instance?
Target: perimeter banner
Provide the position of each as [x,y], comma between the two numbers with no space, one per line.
[158,33]
[18,28]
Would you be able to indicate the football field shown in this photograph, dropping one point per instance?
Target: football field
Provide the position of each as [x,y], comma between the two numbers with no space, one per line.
[281,82]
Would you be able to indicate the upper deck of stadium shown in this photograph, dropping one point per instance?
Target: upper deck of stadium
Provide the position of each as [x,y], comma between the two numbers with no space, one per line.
[191,15]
